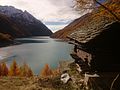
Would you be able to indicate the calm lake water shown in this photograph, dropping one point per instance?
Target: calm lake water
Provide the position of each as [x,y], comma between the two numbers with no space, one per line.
[37,52]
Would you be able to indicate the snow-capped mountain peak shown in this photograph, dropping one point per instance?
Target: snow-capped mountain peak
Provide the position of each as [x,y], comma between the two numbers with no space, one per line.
[11,11]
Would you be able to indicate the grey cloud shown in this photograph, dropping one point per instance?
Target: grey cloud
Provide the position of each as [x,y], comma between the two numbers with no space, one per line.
[56,23]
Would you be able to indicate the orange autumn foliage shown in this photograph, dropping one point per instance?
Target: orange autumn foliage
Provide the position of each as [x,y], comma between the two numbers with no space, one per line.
[26,71]
[14,69]
[46,71]
[30,72]
[4,69]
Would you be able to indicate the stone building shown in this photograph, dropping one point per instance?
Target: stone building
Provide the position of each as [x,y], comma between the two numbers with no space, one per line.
[98,42]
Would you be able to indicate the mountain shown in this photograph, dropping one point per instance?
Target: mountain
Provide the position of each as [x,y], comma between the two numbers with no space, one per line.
[85,19]
[28,24]
[8,30]
[8,27]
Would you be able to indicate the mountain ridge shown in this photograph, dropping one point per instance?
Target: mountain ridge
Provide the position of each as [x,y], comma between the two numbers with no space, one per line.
[30,25]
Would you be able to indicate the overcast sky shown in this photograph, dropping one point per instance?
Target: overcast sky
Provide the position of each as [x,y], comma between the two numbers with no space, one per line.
[54,13]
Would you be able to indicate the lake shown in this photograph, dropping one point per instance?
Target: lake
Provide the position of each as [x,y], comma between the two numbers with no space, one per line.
[37,52]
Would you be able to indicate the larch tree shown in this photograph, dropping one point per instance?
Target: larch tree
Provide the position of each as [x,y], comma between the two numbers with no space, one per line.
[46,71]
[23,70]
[14,69]
[4,69]
[26,71]
[83,5]
[30,72]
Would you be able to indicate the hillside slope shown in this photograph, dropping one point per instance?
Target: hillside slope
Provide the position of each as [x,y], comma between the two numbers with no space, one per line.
[82,21]
[68,29]
[8,27]
[8,30]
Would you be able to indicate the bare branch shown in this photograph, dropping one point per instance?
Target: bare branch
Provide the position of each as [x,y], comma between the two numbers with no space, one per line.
[83,5]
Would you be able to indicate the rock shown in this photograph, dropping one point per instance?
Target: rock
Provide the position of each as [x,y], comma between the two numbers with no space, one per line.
[65,78]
